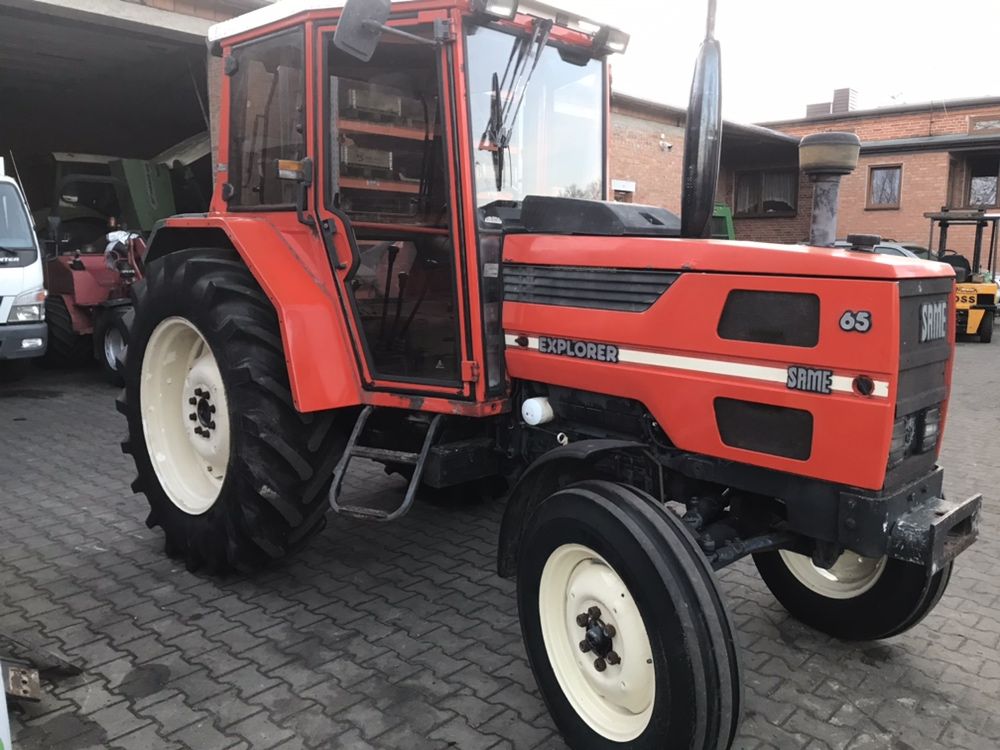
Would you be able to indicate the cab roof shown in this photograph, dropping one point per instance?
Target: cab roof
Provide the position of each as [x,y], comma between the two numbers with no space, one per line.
[284,9]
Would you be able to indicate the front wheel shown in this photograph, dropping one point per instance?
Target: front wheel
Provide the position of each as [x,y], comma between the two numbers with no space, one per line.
[858,598]
[234,475]
[624,626]
[111,342]
[986,328]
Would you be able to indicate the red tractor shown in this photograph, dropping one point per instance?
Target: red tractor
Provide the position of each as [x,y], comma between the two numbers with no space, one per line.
[89,266]
[408,259]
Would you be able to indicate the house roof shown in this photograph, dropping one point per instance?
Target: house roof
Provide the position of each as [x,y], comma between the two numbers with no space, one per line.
[964,142]
[933,106]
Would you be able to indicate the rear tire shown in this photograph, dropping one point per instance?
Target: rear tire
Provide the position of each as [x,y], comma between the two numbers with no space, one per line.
[891,599]
[604,550]
[66,347]
[265,493]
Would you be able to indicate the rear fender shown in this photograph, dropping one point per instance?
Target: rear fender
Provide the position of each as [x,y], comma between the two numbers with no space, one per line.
[322,367]
[557,468]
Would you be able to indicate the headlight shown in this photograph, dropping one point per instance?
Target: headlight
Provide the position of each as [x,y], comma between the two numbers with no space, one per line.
[930,429]
[28,307]
[914,433]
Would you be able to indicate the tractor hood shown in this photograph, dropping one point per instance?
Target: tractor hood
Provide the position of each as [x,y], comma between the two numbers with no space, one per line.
[713,256]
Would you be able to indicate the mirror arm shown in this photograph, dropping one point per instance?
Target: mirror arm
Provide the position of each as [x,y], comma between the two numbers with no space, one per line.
[373,25]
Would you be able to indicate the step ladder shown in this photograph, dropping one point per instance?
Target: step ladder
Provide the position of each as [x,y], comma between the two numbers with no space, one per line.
[384,455]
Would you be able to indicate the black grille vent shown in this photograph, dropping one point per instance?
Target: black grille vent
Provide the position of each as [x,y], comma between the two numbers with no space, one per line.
[765,428]
[788,318]
[626,290]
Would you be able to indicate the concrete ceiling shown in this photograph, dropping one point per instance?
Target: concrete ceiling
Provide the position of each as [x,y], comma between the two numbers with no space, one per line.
[68,84]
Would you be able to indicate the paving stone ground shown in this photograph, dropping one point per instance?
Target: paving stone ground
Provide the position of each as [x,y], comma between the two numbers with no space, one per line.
[401,635]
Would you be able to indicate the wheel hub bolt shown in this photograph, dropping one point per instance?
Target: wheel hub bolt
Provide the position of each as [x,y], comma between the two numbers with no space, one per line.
[610,632]
[613,658]
[595,613]
[584,646]
[582,619]
[193,417]
[599,664]
[193,401]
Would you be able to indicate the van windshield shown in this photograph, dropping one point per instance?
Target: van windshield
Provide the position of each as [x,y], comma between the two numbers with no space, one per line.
[15,228]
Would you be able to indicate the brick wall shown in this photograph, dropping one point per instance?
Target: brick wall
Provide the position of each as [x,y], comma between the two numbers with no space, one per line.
[635,154]
[792,229]
[881,127]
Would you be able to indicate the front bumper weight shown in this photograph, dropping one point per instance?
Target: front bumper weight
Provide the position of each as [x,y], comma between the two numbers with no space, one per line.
[932,534]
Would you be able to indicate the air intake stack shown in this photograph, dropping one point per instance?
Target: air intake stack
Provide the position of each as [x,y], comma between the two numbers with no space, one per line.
[825,158]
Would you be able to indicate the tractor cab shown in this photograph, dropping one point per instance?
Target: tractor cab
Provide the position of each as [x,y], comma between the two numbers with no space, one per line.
[977,291]
[411,140]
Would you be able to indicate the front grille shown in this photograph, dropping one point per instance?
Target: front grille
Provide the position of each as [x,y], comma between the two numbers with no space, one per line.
[627,290]
[923,365]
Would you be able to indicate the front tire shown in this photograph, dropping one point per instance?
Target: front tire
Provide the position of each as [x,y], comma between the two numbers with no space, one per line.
[111,343]
[605,565]
[986,328]
[205,356]
[858,599]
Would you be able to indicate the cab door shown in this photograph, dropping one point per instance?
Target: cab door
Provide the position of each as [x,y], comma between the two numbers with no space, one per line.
[389,211]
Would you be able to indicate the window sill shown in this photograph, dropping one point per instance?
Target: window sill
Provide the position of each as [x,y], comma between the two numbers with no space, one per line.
[769,215]
[882,208]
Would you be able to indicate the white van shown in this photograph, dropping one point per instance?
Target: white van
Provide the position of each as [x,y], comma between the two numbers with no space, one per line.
[23,334]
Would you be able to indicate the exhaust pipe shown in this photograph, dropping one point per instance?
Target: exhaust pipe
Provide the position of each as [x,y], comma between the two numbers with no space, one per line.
[826,158]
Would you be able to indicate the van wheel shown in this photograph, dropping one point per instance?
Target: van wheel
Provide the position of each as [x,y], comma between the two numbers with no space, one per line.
[625,629]
[859,598]
[233,474]
[66,347]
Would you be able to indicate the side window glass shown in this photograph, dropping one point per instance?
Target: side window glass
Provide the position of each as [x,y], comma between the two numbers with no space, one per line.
[268,116]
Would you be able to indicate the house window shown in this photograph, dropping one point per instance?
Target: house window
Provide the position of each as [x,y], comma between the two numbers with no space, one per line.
[884,183]
[766,193]
[983,181]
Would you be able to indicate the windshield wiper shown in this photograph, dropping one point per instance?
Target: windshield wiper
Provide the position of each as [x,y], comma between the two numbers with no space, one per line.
[524,56]
[9,251]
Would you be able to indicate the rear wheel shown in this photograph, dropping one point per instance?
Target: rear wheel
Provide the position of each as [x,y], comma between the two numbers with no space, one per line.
[625,629]
[233,474]
[66,347]
[858,598]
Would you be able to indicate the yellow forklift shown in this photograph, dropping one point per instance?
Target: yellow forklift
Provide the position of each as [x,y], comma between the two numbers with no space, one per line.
[976,289]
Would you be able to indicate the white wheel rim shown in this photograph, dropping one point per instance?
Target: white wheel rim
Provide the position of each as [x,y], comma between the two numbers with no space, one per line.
[181,377]
[114,348]
[850,577]
[617,703]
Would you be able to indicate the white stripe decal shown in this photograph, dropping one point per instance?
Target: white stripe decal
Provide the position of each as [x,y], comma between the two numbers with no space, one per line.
[840,384]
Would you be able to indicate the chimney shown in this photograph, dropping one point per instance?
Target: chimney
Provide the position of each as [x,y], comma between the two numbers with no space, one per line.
[817,110]
[844,100]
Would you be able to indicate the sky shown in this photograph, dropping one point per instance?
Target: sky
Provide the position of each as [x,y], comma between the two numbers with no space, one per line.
[779,55]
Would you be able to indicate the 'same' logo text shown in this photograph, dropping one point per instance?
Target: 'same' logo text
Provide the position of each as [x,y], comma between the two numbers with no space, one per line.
[933,321]
[809,379]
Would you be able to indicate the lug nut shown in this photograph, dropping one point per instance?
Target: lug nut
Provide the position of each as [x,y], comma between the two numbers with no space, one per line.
[594,612]
[582,619]
[599,664]
[585,646]
[193,417]
[211,425]
[197,431]
[211,409]
[613,658]
[199,392]
[193,401]
[610,632]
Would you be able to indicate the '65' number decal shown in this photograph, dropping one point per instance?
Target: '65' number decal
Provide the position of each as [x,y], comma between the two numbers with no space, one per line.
[860,321]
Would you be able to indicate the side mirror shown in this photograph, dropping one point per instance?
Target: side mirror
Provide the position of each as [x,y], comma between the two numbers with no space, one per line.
[360,27]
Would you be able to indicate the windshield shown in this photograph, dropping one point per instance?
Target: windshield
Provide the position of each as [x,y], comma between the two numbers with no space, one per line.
[15,229]
[543,135]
